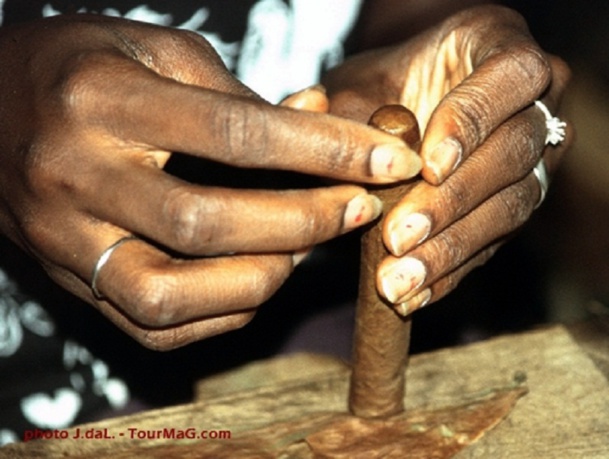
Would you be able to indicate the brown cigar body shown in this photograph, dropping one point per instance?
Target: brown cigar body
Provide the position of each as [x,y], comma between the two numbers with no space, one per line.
[382,337]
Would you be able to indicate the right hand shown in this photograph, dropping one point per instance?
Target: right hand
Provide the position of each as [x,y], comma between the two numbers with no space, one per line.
[472,81]
[90,110]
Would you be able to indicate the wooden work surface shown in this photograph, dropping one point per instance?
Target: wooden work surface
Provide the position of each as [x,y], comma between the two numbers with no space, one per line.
[564,415]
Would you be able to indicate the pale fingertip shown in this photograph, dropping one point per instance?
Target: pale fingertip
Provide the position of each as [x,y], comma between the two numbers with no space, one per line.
[442,160]
[362,209]
[404,233]
[398,278]
[419,301]
[394,162]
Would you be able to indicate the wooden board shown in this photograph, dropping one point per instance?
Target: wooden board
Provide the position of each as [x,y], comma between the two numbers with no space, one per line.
[565,413]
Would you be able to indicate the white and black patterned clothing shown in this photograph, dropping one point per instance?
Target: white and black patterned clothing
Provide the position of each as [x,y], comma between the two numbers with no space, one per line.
[47,379]
[274,46]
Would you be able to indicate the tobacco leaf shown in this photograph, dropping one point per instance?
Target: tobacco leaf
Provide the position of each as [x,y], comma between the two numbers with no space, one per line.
[418,434]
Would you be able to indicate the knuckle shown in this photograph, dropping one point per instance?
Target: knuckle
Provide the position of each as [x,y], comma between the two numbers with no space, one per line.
[527,142]
[39,177]
[442,254]
[531,144]
[456,196]
[187,45]
[192,219]
[243,126]
[36,231]
[340,156]
[534,65]
[525,66]
[454,250]
[176,39]
[79,83]
[150,300]
[474,113]
[517,204]
[46,173]
[195,43]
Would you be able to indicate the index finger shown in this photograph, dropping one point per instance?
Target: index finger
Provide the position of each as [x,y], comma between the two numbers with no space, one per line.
[509,72]
[145,108]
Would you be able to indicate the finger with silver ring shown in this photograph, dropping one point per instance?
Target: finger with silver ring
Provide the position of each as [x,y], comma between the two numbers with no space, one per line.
[555,126]
[543,178]
[103,259]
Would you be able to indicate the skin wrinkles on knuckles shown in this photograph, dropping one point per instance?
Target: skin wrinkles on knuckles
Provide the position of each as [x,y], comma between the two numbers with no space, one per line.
[469,108]
[81,77]
[240,125]
[453,249]
[341,158]
[151,300]
[522,153]
[455,194]
[516,203]
[195,222]
[530,62]
[528,142]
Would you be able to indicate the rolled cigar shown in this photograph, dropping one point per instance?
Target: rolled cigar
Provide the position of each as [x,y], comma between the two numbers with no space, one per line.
[382,337]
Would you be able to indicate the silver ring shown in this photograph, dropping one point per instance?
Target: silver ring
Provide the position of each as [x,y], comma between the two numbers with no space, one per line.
[103,259]
[556,128]
[541,174]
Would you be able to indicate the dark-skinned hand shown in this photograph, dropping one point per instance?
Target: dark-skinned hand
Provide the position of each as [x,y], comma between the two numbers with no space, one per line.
[92,108]
[472,82]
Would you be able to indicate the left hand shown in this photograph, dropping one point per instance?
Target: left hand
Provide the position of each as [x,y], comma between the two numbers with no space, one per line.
[472,82]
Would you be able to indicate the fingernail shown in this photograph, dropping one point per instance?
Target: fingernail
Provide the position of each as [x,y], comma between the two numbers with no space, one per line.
[400,277]
[445,158]
[407,232]
[360,210]
[416,302]
[300,256]
[393,162]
